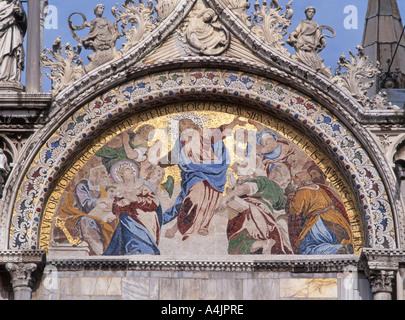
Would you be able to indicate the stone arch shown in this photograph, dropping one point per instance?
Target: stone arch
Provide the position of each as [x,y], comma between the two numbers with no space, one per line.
[357,155]
[361,166]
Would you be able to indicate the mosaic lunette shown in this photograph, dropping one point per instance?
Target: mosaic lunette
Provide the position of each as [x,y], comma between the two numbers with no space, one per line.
[27,215]
[246,197]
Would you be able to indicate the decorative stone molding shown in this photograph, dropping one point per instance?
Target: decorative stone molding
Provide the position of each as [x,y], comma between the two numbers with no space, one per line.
[381,267]
[21,274]
[21,265]
[313,264]
[357,79]
[26,256]
[381,283]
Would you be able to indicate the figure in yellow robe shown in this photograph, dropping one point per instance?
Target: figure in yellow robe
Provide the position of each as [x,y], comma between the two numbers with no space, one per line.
[318,222]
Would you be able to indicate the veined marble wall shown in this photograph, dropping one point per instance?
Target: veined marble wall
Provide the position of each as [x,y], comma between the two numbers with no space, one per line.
[187,285]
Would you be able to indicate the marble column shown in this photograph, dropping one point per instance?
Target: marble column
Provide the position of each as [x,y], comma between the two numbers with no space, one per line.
[33,72]
[21,279]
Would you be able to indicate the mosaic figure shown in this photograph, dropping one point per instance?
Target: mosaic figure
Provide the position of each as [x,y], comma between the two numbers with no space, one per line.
[203,160]
[139,212]
[256,226]
[318,220]
[87,209]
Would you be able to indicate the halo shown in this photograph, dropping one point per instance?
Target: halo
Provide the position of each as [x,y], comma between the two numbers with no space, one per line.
[173,121]
[115,168]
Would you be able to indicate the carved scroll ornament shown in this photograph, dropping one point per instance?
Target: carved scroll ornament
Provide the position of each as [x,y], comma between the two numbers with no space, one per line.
[270,25]
[357,79]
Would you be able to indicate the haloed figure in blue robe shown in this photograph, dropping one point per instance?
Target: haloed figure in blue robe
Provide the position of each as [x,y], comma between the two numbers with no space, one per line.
[140,217]
[203,160]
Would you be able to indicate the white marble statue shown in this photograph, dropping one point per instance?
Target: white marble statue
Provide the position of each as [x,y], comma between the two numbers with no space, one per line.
[101,39]
[308,41]
[13,26]
[4,169]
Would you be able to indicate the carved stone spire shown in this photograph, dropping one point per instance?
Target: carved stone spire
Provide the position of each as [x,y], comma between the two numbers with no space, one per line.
[383,29]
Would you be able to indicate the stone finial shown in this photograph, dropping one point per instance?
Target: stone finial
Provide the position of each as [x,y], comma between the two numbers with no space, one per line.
[357,79]
[271,25]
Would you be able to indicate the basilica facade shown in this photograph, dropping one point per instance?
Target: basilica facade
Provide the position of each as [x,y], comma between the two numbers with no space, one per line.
[200,160]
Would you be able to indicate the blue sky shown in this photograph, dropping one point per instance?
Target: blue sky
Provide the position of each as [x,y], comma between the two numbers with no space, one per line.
[329,12]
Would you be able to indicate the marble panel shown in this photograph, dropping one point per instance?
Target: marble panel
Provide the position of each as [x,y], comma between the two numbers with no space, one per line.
[309,288]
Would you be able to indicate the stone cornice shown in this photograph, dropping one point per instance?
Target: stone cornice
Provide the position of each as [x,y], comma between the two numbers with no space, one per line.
[34,256]
[26,101]
[379,259]
[272,264]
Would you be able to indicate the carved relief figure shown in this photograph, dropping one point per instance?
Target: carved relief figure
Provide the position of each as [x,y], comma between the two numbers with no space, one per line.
[308,41]
[13,25]
[101,39]
[205,35]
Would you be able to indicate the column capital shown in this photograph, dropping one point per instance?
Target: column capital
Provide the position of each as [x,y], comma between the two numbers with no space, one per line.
[21,265]
[21,274]
[381,266]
